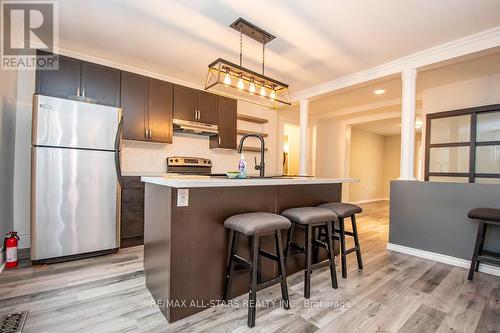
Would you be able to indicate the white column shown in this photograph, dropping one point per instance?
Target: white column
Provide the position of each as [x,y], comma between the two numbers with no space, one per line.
[409,78]
[304,117]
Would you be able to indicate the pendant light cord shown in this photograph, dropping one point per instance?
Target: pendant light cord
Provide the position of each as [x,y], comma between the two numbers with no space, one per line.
[241,46]
[263,55]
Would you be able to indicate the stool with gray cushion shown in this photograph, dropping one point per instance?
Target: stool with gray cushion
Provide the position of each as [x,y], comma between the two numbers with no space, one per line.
[309,218]
[343,211]
[255,226]
[485,216]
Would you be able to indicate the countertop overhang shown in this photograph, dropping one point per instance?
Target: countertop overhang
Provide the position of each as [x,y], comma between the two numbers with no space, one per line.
[206,181]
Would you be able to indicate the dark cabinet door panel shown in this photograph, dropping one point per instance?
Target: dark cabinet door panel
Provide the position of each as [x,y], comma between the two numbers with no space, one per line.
[101,83]
[160,111]
[207,107]
[184,103]
[63,83]
[227,124]
[132,212]
[134,102]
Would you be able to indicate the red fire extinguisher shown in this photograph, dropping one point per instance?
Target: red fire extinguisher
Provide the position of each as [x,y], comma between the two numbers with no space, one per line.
[11,249]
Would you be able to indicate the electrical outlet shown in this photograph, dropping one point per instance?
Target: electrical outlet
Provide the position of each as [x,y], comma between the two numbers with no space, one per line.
[183,197]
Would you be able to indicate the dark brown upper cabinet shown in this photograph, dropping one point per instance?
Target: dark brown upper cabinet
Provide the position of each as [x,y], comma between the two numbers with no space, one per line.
[79,78]
[62,83]
[100,83]
[185,103]
[134,99]
[160,111]
[147,108]
[195,105]
[206,104]
[227,124]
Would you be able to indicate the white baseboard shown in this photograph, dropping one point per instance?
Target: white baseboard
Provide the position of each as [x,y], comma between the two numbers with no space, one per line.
[484,268]
[24,241]
[369,200]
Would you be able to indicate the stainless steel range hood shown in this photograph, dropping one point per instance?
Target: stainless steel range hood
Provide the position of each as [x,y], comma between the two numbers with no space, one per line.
[192,127]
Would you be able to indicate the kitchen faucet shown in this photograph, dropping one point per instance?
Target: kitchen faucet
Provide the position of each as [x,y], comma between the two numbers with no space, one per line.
[261,166]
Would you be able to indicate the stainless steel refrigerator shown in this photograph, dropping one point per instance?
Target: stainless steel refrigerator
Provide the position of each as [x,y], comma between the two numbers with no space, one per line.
[75,179]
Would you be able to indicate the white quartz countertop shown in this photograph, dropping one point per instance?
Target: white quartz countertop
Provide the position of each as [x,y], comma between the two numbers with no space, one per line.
[206,181]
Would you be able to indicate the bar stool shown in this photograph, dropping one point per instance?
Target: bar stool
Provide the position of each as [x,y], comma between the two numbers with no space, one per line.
[309,218]
[485,216]
[343,211]
[255,226]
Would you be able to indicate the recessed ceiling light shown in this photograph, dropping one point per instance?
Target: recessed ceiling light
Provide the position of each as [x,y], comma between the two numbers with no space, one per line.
[379,91]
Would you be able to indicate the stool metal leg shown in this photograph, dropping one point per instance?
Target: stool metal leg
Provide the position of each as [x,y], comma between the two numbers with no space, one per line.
[282,269]
[289,240]
[356,241]
[331,254]
[252,298]
[229,266]
[343,254]
[481,246]
[477,247]
[307,272]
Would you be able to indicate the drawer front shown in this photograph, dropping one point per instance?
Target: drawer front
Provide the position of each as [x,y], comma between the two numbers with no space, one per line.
[132,225]
[132,182]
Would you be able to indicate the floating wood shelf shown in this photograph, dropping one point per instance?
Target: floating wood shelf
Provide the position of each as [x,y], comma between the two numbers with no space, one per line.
[252,119]
[243,132]
[252,149]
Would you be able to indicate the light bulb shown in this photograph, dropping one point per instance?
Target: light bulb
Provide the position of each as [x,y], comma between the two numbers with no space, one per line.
[262,91]
[272,94]
[241,85]
[251,87]
[227,78]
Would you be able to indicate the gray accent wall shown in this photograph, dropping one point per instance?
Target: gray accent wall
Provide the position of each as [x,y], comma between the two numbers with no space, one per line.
[432,216]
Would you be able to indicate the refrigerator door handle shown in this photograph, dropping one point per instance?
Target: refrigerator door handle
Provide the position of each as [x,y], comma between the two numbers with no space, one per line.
[118,140]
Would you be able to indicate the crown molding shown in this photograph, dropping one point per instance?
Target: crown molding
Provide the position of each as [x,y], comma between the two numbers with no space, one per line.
[460,47]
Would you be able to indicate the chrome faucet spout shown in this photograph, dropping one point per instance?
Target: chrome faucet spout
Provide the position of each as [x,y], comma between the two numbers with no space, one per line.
[261,166]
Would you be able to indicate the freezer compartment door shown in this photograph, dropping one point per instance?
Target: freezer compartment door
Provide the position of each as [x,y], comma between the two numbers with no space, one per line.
[65,123]
[75,202]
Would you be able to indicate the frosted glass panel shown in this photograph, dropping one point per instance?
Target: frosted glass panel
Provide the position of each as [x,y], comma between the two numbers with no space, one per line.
[488,181]
[449,179]
[488,126]
[449,159]
[450,129]
[488,159]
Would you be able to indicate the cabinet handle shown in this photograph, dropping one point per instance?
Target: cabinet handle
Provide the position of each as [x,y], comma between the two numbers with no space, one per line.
[83,92]
[146,133]
[199,115]
[219,140]
[150,133]
[78,91]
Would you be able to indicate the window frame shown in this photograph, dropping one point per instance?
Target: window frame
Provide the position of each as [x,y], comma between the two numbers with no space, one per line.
[472,143]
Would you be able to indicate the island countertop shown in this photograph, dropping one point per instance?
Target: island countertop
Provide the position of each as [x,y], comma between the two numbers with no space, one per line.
[189,181]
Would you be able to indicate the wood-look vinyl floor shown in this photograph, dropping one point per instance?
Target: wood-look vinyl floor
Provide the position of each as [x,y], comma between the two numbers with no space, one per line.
[394,293]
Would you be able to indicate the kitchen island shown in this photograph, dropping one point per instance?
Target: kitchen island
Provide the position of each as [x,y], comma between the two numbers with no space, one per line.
[185,242]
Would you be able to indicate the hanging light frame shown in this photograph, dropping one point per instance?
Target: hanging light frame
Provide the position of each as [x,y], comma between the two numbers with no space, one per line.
[275,94]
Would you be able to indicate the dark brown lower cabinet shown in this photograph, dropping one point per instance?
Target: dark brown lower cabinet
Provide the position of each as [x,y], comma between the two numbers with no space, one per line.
[132,212]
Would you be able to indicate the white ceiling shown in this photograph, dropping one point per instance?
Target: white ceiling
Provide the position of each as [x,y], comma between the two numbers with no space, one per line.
[317,41]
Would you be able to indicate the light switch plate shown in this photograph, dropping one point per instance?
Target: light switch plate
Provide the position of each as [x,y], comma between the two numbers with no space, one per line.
[183,197]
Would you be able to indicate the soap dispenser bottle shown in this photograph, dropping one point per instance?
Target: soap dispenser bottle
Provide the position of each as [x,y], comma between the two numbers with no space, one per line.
[242,167]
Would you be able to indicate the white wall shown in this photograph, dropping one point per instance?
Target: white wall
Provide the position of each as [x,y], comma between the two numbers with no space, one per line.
[367,164]
[8,92]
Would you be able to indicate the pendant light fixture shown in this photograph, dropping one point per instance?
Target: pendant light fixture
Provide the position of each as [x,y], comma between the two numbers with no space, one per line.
[227,78]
